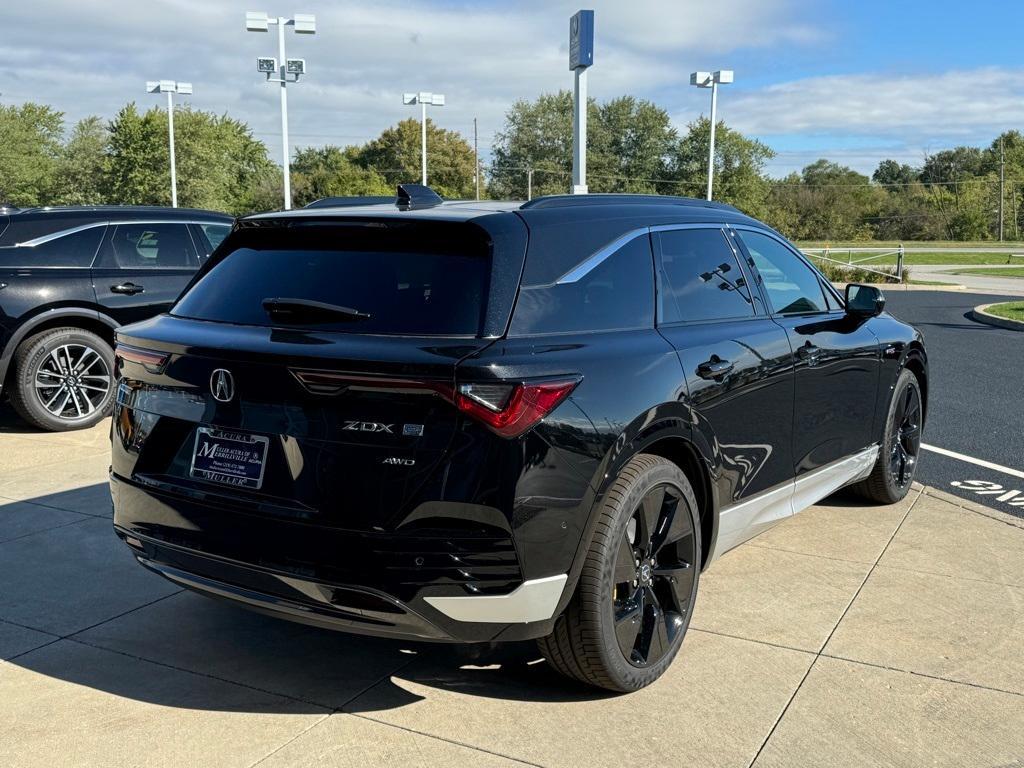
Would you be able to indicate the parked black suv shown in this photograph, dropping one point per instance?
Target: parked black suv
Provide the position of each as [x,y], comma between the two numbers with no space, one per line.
[491,422]
[68,278]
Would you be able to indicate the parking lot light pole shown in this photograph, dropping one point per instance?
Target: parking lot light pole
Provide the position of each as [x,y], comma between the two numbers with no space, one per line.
[423,98]
[712,80]
[170,87]
[303,23]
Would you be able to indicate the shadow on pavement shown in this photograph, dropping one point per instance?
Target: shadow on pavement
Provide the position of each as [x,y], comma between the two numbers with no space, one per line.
[119,621]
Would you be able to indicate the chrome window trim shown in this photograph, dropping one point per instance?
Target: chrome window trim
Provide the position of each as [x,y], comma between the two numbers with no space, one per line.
[595,259]
[36,241]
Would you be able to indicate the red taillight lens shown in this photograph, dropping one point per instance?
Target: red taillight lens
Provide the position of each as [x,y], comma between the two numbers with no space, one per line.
[511,409]
[152,361]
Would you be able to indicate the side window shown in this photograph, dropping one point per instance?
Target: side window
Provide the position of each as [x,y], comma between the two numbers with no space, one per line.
[617,294]
[700,278]
[792,286]
[74,250]
[214,234]
[153,246]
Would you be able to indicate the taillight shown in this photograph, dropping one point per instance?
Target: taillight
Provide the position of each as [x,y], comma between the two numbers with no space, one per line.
[152,361]
[511,409]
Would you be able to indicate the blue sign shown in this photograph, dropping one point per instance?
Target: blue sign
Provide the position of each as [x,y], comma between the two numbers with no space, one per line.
[581,40]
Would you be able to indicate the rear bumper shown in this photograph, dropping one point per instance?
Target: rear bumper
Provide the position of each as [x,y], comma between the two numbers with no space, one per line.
[156,527]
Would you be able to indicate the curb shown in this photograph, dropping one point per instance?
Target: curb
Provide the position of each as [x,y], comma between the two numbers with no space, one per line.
[979,314]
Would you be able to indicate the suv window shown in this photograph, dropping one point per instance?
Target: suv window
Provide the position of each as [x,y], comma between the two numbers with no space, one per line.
[153,246]
[618,294]
[215,234]
[792,286]
[700,277]
[74,250]
[412,280]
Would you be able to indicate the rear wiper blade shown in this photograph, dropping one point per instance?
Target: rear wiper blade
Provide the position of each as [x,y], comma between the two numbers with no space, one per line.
[307,310]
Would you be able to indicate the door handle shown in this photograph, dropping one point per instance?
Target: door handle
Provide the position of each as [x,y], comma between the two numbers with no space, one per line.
[714,368]
[810,353]
[129,289]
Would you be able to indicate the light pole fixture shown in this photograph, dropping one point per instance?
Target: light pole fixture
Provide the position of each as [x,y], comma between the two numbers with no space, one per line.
[712,80]
[423,98]
[170,87]
[284,68]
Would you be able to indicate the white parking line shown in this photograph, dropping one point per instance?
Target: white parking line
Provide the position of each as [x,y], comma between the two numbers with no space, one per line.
[971,460]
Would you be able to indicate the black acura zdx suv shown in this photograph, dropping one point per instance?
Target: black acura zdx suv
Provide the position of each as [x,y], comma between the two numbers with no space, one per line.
[68,278]
[483,422]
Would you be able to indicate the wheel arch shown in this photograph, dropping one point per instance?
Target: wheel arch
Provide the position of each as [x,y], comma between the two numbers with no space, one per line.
[667,432]
[58,317]
[917,363]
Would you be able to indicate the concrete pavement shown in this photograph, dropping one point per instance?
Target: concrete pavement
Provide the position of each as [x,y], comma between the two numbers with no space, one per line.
[848,635]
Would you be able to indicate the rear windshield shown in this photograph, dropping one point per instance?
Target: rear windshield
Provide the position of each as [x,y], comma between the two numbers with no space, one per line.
[405,279]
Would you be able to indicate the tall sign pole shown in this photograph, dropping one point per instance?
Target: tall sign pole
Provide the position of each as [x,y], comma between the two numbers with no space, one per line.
[581,56]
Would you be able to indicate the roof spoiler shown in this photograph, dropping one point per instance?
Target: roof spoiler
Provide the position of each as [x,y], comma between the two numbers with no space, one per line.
[412,197]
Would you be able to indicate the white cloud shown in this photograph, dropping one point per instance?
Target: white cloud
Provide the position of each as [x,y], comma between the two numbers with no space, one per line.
[92,57]
[954,105]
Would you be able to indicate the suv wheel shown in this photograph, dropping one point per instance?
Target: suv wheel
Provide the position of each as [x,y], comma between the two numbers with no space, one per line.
[626,621]
[63,379]
[894,471]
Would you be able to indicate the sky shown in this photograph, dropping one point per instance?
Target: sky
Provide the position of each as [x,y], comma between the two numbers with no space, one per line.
[856,81]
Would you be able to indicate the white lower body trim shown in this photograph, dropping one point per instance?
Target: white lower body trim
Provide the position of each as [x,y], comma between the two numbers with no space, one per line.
[739,522]
[533,600]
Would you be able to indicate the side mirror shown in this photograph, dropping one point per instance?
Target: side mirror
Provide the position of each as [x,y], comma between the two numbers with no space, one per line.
[864,300]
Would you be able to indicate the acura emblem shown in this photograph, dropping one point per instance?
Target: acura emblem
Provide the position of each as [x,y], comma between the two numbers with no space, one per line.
[222,385]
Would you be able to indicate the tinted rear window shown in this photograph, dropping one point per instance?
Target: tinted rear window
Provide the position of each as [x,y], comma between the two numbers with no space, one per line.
[420,279]
[74,250]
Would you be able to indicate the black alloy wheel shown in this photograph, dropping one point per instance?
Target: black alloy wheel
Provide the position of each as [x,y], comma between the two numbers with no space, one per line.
[635,595]
[900,448]
[906,437]
[654,572]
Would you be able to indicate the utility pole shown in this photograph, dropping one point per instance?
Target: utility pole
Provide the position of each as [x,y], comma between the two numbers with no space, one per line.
[529,183]
[1002,185]
[476,160]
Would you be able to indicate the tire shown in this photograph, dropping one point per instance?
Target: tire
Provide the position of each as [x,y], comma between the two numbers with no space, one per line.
[614,603]
[60,402]
[894,471]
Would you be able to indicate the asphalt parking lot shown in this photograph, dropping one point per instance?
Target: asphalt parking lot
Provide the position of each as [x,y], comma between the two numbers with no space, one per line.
[849,635]
[976,401]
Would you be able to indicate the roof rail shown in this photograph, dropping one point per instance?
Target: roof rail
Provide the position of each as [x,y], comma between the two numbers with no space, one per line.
[6,208]
[565,201]
[412,197]
[344,202]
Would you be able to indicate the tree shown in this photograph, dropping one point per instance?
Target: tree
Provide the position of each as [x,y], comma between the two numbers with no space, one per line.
[328,172]
[629,147]
[891,173]
[30,148]
[739,167]
[537,137]
[220,165]
[395,156]
[827,201]
[84,164]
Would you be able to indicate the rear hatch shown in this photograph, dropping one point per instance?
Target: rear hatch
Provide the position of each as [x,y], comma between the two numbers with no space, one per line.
[308,371]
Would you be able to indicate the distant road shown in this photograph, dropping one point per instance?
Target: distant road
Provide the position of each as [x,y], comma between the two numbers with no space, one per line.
[1011,287]
[976,399]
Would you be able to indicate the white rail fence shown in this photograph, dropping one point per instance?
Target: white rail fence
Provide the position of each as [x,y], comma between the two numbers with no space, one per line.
[863,262]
